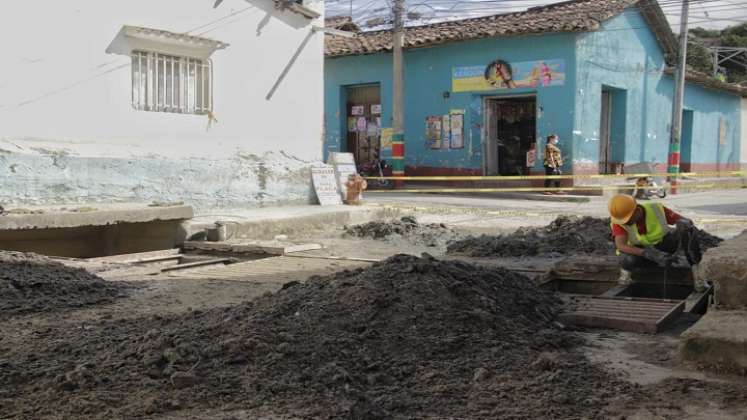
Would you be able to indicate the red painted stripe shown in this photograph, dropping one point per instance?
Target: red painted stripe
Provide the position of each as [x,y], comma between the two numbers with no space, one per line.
[398,149]
[674,159]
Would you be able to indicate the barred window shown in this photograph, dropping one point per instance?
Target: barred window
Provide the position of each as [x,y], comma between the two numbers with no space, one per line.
[167,83]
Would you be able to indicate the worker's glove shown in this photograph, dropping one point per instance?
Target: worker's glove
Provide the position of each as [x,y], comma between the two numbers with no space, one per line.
[659,257]
[684,224]
[680,262]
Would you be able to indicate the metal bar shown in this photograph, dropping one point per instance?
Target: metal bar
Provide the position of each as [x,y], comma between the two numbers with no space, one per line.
[155,81]
[202,86]
[172,82]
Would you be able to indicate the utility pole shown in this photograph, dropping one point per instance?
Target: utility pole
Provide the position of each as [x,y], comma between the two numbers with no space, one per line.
[679,93]
[398,137]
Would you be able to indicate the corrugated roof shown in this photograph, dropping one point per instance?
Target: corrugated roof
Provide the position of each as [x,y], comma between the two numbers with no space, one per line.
[569,16]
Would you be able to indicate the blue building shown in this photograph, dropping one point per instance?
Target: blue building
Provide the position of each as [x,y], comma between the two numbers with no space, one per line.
[480,93]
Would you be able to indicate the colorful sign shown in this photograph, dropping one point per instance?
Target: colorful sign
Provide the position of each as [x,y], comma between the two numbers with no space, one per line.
[386,137]
[500,75]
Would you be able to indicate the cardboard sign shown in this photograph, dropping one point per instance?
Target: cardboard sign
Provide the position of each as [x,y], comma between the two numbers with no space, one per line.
[325,185]
[344,164]
[357,110]
[376,109]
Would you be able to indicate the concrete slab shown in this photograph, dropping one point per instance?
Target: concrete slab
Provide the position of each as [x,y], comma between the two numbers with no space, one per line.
[718,341]
[726,267]
[48,217]
[292,221]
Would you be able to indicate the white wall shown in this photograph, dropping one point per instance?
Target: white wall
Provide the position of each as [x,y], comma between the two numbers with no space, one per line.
[743,153]
[57,96]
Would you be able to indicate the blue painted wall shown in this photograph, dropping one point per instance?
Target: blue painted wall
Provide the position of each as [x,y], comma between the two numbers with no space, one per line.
[624,55]
[428,76]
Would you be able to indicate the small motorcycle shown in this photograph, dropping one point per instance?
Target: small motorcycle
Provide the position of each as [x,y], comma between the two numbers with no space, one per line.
[377,168]
[647,188]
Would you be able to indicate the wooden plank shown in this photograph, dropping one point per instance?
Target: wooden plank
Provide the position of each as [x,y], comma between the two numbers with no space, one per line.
[251,247]
[197,264]
[123,258]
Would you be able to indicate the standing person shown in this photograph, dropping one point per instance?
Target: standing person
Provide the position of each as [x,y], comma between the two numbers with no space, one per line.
[553,162]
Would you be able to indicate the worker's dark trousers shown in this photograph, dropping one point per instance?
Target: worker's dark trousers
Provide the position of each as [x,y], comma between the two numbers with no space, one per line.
[554,182]
[669,244]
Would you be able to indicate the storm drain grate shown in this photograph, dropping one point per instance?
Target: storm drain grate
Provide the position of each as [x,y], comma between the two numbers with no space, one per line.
[627,314]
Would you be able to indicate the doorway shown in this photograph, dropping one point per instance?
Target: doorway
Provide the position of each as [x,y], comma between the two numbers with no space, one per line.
[511,130]
[605,152]
[612,118]
[686,141]
[363,123]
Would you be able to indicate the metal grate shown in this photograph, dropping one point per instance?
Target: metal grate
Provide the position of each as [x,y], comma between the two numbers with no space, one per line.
[167,83]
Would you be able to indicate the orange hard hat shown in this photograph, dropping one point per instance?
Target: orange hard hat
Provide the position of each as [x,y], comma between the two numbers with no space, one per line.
[622,207]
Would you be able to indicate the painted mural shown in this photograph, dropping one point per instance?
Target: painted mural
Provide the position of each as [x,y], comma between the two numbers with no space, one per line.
[501,74]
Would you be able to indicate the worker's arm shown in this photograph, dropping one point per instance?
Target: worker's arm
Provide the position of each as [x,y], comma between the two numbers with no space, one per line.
[621,242]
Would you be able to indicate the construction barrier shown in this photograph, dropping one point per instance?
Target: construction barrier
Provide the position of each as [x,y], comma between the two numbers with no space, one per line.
[543,177]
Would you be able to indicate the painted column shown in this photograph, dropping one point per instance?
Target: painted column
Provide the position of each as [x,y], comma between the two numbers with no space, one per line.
[398,158]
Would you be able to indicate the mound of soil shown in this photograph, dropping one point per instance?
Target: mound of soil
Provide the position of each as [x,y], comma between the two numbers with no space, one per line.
[407,228]
[31,283]
[405,338]
[566,235]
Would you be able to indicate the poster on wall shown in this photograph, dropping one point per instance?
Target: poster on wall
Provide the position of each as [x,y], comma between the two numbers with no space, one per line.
[433,131]
[357,110]
[386,137]
[445,131]
[457,131]
[361,124]
[376,109]
[352,124]
[500,74]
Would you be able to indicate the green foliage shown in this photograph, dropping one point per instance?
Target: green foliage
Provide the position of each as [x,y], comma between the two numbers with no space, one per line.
[699,57]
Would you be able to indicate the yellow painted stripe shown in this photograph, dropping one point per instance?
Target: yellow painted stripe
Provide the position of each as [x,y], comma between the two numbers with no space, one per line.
[540,177]
[540,189]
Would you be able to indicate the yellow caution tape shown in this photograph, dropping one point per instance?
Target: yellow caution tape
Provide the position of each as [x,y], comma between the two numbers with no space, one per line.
[540,189]
[541,177]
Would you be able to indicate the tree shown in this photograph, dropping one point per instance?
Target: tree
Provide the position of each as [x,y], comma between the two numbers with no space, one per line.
[700,58]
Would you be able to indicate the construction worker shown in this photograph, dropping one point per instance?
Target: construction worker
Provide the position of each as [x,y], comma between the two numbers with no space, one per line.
[644,238]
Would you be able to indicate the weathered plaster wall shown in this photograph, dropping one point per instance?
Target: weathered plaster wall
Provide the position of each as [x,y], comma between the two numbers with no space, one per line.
[428,75]
[743,142]
[64,100]
[624,56]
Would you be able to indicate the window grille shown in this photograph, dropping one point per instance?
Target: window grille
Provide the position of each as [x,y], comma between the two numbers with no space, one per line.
[167,83]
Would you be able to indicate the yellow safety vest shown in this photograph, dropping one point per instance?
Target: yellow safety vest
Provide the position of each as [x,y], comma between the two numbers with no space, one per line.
[656,227]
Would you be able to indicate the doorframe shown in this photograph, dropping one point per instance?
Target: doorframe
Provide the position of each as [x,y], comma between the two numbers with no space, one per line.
[345,95]
[605,130]
[485,121]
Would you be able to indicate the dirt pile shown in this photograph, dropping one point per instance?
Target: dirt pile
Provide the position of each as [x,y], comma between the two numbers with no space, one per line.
[407,228]
[566,235]
[406,338]
[32,283]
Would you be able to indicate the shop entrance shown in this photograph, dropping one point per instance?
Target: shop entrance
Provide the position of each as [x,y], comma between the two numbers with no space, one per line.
[511,127]
[363,120]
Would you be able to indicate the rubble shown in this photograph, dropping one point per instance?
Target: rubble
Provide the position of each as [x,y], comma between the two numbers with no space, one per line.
[566,235]
[407,228]
[31,283]
[407,337]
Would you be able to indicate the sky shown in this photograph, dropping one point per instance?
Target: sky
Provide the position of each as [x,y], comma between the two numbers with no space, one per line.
[712,14]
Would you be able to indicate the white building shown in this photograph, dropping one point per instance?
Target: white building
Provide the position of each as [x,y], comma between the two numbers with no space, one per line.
[210,102]
[743,153]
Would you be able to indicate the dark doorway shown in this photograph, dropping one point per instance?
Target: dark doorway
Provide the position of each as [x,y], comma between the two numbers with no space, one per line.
[511,133]
[686,141]
[363,123]
[605,149]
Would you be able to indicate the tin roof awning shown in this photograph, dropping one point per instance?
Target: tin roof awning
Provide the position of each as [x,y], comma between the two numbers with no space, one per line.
[131,38]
